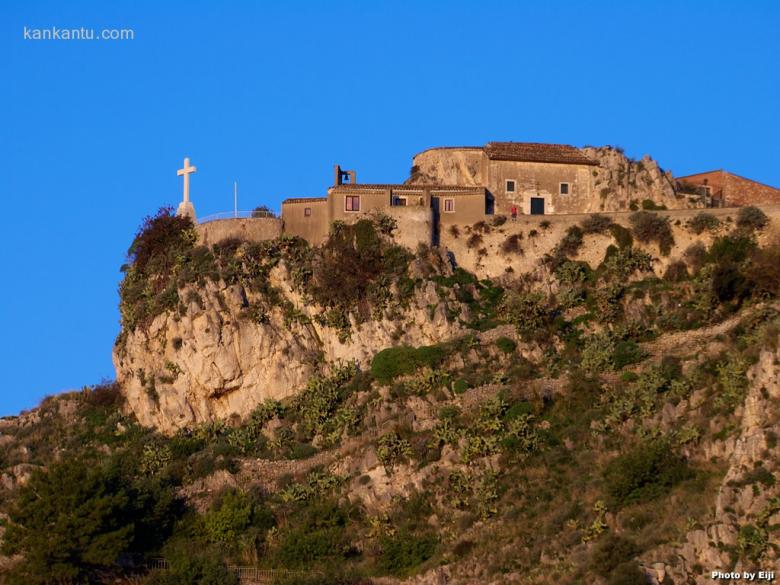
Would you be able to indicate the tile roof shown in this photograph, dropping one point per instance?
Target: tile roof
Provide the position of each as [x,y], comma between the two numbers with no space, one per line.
[536,152]
[525,152]
[304,200]
[404,187]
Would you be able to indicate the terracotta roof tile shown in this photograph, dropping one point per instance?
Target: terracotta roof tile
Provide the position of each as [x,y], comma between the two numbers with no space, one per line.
[305,200]
[404,187]
[536,152]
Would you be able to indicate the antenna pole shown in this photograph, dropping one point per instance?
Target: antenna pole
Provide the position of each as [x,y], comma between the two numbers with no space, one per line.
[235,198]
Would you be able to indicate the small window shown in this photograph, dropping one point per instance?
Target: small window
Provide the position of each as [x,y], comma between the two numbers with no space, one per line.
[449,205]
[352,203]
[399,201]
[307,211]
[564,189]
[510,186]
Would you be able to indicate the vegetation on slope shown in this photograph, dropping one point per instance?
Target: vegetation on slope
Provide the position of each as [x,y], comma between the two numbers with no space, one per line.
[540,448]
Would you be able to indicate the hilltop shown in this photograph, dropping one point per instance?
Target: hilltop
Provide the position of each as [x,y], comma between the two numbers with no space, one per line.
[561,400]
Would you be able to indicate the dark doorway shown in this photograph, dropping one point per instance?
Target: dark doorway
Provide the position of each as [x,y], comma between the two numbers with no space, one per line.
[537,206]
[435,218]
[490,204]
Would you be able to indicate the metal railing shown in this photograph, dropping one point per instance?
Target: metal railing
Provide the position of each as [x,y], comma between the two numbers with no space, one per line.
[255,214]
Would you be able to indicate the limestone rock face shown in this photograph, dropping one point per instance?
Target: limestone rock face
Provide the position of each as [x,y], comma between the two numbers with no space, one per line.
[209,360]
[619,181]
[738,502]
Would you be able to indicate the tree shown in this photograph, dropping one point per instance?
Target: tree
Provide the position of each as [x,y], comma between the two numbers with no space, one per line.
[68,523]
[73,521]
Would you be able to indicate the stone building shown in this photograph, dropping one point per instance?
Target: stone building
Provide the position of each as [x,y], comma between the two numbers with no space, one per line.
[467,184]
[454,185]
[531,177]
[725,189]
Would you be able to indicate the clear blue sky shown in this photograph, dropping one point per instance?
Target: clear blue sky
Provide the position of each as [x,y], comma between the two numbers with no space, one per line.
[273,94]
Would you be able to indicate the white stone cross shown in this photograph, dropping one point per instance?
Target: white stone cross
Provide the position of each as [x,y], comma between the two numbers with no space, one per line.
[185,172]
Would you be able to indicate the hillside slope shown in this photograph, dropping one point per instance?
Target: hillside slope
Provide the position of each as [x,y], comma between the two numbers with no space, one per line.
[607,415]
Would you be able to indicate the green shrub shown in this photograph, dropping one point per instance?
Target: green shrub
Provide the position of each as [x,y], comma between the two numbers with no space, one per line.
[460,386]
[474,241]
[596,224]
[650,205]
[320,405]
[622,236]
[392,449]
[728,283]
[571,242]
[611,551]
[752,218]
[392,362]
[624,262]
[627,352]
[752,542]
[73,521]
[318,532]
[512,245]
[676,272]
[525,310]
[649,227]
[647,471]
[731,249]
[703,222]
[228,518]
[193,567]
[405,550]
[506,344]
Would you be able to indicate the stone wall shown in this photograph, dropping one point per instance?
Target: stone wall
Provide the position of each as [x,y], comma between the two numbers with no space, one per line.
[542,180]
[485,255]
[250,229]
[415,225]
[313,227]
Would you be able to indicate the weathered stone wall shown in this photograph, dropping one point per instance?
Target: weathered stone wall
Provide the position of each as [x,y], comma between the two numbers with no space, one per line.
[467,208]
[542,180]
[314,227]
[415,225]
[256,229]
[485,256]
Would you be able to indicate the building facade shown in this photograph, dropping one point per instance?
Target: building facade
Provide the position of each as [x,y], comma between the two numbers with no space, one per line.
[725,189]
[453,185]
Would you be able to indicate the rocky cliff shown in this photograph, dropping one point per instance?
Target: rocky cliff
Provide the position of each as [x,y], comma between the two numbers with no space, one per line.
[621,183]
[210,361]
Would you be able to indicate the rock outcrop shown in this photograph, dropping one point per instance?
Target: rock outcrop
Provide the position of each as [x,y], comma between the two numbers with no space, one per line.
[619,181]
[209,360]
[745,509]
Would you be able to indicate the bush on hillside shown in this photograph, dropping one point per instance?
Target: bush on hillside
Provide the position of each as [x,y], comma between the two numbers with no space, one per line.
[649,227]
[405,550]
[645,472]
[676,271]
[392,362]
[73,521]
[596,224]
[702,222]
[752,218]
[650,205]
[512,245]
[611,551]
